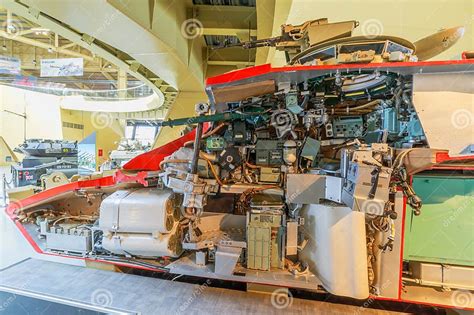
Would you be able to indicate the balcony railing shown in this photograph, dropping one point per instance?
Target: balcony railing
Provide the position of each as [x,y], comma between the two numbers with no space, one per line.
[59,89]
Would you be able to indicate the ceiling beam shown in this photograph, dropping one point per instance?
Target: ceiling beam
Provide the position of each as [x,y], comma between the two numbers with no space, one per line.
[45,21]
[226,20]
[68,45]
[29,66]
[79,85]
[109,77]
[227,31]
[242,13]
[39,44]
[230,63]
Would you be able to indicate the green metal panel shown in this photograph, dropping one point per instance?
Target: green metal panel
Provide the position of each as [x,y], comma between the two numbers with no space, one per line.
[444,232]
[258,252]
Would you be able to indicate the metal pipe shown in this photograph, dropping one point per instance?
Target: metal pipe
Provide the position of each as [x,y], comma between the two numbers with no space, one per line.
[437,284]
[197,145]
[4,189]
[344,162]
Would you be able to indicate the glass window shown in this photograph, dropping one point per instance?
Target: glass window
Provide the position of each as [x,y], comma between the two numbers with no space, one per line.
[391,47]
[146,134]
[350,48]
[129,132]
[322,54]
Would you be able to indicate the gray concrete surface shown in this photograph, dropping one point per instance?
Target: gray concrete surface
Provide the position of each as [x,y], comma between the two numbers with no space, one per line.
[145,295]
[13,246]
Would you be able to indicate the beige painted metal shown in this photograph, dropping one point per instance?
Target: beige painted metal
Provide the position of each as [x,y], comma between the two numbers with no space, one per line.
[434,44]
[6,154]
[161,48]
[161,42]
[445,105]
[383,17]
[282,16]
[336,252]
[122,82]
[388,263]
[19,193]
[227,31]
[238,21]
[53,180]
[265,12]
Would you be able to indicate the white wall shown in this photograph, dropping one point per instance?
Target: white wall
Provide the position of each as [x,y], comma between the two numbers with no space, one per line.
[45,114]
[42,111]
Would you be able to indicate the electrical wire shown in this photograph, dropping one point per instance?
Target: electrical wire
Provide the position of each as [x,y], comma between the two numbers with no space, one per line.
[214,131]
[214,172]
[173,161]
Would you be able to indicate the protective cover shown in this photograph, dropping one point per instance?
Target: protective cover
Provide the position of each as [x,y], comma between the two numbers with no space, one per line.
[444,103]
[336,251]
[137,211]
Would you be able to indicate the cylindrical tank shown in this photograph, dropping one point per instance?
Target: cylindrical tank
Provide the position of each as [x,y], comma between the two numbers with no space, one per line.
[142,222]
[144,245]
[146,210]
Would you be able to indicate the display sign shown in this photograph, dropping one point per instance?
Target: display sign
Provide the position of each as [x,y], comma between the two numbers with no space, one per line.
[25,80]
[86,154]
[10,65]
[64,67]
